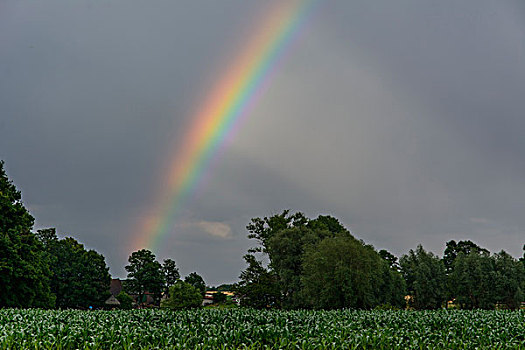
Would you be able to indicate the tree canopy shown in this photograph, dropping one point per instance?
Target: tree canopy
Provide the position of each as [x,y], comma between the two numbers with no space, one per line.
[197,281]
[315,263]
[171,272]
[425,278]
[145,275]
[24,270]
[80,277]
[182,295]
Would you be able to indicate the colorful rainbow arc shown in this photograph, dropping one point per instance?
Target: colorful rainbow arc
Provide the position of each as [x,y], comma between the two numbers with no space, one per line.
[230,101]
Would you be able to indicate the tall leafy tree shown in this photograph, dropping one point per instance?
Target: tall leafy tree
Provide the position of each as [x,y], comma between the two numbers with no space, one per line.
[509,280]
[292,245]
[425,278]
[258,287]
[80,277]
[197,281]
[24,271]
[453,249]
[144,275]
[263,229]
[342,272]
[286,250]
[280,239]
[472,281]
[171,272]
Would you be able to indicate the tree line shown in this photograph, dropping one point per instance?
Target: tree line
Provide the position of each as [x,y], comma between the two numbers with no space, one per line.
[37,269]
[297,262]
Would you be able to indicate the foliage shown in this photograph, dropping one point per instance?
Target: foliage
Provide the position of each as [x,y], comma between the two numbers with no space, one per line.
[182,295]
[425,278]
[80,277]
[258,287]
[341,272]
[390,258]
[126,302]
[472,281]
[226,287]
[259,329]
[509,283]
[196,280]
[144,275]
[24,270]
[171,272]
[219,297]
[311,270]
[453,249]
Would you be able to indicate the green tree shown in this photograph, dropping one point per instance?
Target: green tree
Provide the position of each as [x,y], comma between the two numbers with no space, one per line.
[472,281]
[453,249]
[425,278]
[126,302]
[284,239]
[258,287]
[263,229]
[182,295]
[390,258]
[171,273]
[509,280]
[196,280]
[24,270]
[144,275]
[286,249]
[342,272]
[80,277]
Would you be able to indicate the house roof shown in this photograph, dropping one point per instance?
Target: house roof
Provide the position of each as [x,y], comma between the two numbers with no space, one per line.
[112,301]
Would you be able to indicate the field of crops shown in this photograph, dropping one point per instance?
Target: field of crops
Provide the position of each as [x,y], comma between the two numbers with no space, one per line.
[251,329]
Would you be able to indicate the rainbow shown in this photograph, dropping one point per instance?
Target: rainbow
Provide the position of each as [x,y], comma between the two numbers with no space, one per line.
[220,115]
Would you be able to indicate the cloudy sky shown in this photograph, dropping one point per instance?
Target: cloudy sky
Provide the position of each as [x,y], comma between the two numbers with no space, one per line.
[404,119]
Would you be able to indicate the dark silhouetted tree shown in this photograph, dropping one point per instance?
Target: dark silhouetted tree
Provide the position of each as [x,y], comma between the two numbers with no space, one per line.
[80,277]
[258,287]
[453,249]
[342,272]
[171,273]
[425,278]
[390,258]
[24,270]
[196,280]
[144,275]
[509,283]
[472,281]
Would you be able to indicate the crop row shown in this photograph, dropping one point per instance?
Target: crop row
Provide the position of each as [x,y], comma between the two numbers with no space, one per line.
[252,329]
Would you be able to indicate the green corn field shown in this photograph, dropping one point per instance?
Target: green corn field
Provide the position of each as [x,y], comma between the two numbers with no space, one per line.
[255,329]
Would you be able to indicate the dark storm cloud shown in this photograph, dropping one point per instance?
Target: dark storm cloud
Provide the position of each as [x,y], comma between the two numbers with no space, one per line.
[403,119]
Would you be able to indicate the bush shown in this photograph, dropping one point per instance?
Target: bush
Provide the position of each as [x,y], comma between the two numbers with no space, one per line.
[182,295]
[219,297]
[126,302]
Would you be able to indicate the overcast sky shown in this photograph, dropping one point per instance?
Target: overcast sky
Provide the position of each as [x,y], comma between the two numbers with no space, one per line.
[403,119]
